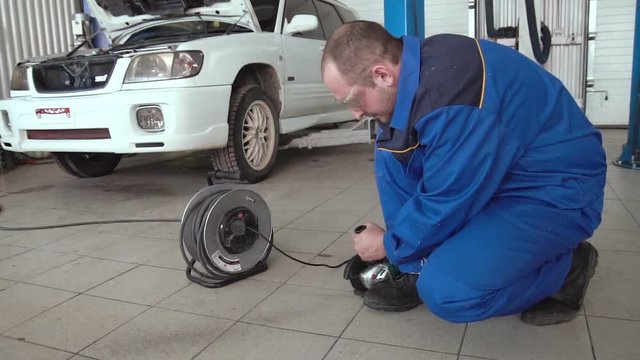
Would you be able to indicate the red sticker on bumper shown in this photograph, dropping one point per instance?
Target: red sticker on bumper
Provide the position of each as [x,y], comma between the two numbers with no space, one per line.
[53,111]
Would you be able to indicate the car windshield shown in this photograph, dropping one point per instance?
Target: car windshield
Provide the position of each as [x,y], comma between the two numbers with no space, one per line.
[181,31]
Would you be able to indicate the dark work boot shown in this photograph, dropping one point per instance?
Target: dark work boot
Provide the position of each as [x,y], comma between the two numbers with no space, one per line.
[398,294]
[565,305]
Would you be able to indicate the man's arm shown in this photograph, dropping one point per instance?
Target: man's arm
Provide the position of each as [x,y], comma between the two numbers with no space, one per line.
[466,155]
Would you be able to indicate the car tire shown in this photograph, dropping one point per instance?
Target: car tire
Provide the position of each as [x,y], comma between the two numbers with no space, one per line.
[253,139]
[86,165]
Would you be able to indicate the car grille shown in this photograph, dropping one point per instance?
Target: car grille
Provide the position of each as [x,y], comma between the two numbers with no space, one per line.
[73,75]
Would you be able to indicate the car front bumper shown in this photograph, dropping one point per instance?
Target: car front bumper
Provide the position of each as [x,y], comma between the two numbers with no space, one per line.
[194,118]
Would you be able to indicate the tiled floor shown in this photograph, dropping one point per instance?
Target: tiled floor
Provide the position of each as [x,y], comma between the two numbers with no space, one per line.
[119,291]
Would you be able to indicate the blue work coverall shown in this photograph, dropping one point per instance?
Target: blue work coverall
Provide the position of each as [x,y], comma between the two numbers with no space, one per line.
[489,175]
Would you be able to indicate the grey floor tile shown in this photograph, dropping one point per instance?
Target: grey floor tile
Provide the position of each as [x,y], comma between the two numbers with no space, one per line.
[167,231]
[20,213]
[39,238]
[303,199]
[634,208]
[136,250]
[341,249]
[359,350]
[613,297]
[625,185]
[281,218]
[609,194]
[11,349]
[246,341]
[230,302]
[63,216]
[326,221]
[374,216]
[417,328]
[7,251]
[616,217]
[319,311]
[31,263]
[620,240]
[76,323]
[615,339]
[128,229]
[614,291]
[172,258]
[307,241]
[620,264]
[159,334]
[359,201]
[81,274]
[22,301]
[6,284]
[282,268]
[321,277]
[84,242]
[80,357]
[566,341]
[145,285]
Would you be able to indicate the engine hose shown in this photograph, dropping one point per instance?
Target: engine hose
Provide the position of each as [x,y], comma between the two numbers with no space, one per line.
[541,55]
[500,33]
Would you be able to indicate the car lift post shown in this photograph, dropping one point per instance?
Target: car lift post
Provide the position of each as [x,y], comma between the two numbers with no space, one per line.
[630,157]
[404,17]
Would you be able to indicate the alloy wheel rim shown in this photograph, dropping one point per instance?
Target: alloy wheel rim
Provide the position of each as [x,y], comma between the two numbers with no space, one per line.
[258,135]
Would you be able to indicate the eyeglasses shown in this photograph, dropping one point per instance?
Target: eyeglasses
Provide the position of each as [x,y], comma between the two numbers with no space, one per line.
[349,99]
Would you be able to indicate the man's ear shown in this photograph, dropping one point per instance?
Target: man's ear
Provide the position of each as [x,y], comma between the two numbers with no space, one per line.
[384,75]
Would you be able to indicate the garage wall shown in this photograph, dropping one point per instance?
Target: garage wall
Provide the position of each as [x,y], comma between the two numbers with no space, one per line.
[441,16]
[608,99]
[32,28]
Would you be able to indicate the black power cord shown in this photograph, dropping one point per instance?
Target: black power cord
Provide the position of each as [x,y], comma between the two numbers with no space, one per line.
[121,221]
[270,241]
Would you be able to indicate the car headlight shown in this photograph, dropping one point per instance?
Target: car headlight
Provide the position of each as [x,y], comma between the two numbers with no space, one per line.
[19,79]
[164,66]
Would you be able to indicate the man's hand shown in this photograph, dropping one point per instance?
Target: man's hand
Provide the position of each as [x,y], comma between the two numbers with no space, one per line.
[368,244]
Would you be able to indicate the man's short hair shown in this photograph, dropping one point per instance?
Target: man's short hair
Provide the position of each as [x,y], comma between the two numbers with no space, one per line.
[358,45]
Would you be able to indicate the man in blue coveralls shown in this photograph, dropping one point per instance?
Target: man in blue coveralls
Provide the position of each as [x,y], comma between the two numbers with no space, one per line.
[489,175]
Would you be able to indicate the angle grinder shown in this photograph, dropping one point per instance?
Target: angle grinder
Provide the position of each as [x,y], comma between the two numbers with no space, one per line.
[363,274]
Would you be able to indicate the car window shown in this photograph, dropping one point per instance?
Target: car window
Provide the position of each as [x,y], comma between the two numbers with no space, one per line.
[266,12]
[346,14]
[328,17]
[295,7]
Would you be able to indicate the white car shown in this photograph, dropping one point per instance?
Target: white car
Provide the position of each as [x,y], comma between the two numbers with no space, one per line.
[177,75]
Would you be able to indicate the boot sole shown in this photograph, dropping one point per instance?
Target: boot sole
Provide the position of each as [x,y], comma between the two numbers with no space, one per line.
[390,308]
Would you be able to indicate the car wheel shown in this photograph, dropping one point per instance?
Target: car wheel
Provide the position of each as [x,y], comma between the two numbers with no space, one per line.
[253,135]
[86,165]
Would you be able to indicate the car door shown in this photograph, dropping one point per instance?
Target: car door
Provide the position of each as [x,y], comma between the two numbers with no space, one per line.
[330,20]
[304,90]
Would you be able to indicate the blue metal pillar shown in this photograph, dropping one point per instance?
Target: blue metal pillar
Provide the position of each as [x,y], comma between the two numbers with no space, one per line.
[404,17]
[630,157]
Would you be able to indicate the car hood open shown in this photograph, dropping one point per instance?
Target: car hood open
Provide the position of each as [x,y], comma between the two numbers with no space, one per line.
[118,16]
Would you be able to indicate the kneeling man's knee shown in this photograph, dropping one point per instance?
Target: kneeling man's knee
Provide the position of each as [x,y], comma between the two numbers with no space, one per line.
[452,300]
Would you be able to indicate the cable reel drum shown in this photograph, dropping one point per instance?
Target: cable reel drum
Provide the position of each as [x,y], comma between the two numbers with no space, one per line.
[226,236]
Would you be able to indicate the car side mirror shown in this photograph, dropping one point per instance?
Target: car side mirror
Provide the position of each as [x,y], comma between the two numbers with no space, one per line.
[301,23]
